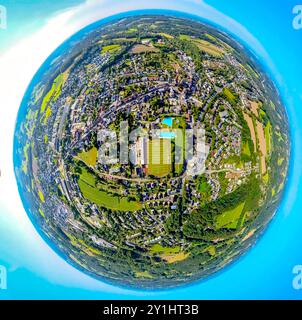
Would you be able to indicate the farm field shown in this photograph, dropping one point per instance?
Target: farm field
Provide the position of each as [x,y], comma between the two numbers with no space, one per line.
[111,48]
[250,123]
[140,48]
[87,185]
[205,46]
[229,219]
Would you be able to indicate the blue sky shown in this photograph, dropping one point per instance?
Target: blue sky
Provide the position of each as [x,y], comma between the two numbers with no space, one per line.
[35,29]
[26,16]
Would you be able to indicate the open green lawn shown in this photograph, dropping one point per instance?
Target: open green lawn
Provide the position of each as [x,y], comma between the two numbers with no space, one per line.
[268,135]
[87,185]
[229,219]
[229,95]
[89,157]
[262,114]
[185,37]
[178,168]
[131,30]
[143,274]
[169,254]
[210,37]
[246,149]
[204,187]
[48,113]
[209,48]
[111,48]
[42,213]
[160,170]
[211,250]
[266,178]
[159,157]
[41,195]
[204,46]
[165,35]
[159,249]
[179,123]
[54,92]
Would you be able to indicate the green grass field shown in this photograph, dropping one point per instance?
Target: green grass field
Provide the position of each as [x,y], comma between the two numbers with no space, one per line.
[54,92]
[111,49]
[209,48]
[87,185]
[179,124]
[165,35]
[48,113]
[144,274]
[262,114]
[209,36]
[229,219]
[266,178]
[204,187]
[268,135]
[131,30]
[169,254]
[41,196]
[42,213]
[246,149]
[185,37]
[159,249]
[204,46]
[229,95]
[159,157]
[211,250]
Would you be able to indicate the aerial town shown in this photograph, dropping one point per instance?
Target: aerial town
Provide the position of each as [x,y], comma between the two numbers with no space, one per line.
[152,151]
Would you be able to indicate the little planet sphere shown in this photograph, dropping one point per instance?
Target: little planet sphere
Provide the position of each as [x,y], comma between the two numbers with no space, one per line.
[151,150]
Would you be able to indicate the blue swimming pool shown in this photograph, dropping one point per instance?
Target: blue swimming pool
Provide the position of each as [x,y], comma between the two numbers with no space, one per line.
[168,122]
[167,135]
